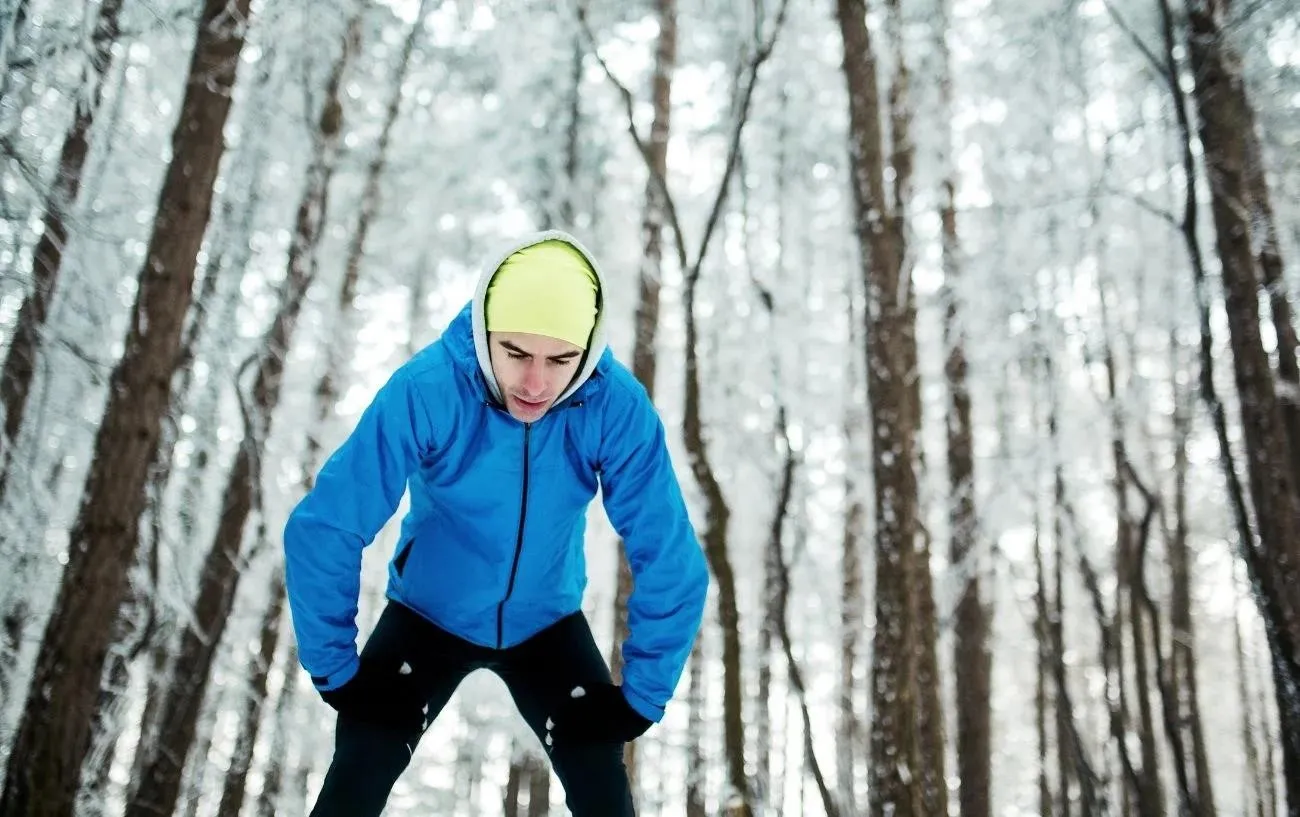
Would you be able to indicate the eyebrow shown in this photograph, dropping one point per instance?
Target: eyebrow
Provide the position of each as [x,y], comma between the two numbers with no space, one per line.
[560,358]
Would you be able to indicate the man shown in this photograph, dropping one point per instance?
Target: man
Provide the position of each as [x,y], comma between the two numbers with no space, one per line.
[503,429]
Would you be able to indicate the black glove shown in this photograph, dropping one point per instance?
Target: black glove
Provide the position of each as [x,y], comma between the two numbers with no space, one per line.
[380,694]
[595,713]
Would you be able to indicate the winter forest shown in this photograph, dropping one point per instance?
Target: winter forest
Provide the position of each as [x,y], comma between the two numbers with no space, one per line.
[970,323]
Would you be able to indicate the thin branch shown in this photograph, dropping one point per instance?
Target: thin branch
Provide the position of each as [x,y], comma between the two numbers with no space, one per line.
[629,107]
[1133,36]
[689,268]
[1146,204]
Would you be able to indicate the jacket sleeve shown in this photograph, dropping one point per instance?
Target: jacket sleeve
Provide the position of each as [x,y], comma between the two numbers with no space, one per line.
[355,493]
[644,502]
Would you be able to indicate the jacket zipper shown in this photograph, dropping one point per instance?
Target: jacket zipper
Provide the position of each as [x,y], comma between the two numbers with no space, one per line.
[519,542]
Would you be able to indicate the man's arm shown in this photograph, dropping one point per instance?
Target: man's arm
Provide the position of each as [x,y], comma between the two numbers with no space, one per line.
[355,494]
[644,502]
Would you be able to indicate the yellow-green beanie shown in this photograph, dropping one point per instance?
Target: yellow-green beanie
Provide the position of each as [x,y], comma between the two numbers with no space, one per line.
[545,289]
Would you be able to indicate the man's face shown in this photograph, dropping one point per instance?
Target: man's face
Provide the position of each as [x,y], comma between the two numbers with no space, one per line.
[532,371]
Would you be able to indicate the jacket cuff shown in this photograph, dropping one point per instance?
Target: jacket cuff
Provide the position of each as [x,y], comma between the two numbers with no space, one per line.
[643,706]
[325,683]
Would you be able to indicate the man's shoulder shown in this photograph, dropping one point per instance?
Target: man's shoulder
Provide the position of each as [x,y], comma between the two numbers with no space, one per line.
[619,384]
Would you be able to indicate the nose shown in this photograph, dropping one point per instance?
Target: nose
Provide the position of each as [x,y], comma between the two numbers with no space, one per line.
[534,382]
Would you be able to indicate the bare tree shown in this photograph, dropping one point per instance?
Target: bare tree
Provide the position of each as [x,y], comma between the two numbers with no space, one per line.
[268,801]
[972,660]
[644,355]
[47,258]
[53,735]
[160,782]
[695,763]
[1274,562]
[717,513]
[250,720]
[906,737]
[1182,680]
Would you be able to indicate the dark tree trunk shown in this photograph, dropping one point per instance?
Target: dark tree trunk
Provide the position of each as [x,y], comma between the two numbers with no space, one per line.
[972,660]
[647,309]
[906,764]
[53,734]
[161,779]
[268,801]
[1225,117]
[695,699]
[1182,658]
[20,360]
[232,791]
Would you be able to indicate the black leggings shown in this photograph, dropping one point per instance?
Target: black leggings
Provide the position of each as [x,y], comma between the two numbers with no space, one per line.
[539,672]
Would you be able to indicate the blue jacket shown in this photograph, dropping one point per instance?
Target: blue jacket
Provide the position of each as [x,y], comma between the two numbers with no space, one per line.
[492,547]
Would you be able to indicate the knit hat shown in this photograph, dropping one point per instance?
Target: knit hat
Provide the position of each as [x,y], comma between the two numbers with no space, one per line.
[544,289]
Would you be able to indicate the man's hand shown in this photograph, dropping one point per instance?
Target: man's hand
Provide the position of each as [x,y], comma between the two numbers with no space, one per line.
[380,694]
[595,713]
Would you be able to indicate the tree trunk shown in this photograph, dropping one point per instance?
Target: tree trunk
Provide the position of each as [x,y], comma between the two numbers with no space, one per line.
[539,788]
[53,735]
[572,132]
[109,711]
[1253,785]
[716,512]
[695,763]
[852,604]
[972,661]
[268,801]
[1182,657]
[780,615]
[1042,639]
[647,309]
[1147,790]
[1268,255]
[232,791]
[514,783]
[160,785]
[901,778]
[20,360]
[19,367]
[1224,117]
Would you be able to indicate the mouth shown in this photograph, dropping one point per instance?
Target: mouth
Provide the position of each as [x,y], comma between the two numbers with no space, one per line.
[531,405]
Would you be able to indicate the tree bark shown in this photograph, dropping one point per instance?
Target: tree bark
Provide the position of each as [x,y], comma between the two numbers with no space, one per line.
[972,661]
[1146,791]
[716,511]
[695,768]
[160,784]
[514,783]
[232,791]
[644,354]
[1182,657]
[47,258]
[903,766]
[53,735]
[1224,117]
[1044,656]
[539,788]
[268,801]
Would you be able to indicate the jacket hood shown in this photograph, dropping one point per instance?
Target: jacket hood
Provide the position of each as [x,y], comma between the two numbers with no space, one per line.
[595,347]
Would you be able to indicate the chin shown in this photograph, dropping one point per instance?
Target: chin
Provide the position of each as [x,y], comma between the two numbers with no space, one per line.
[528,414]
